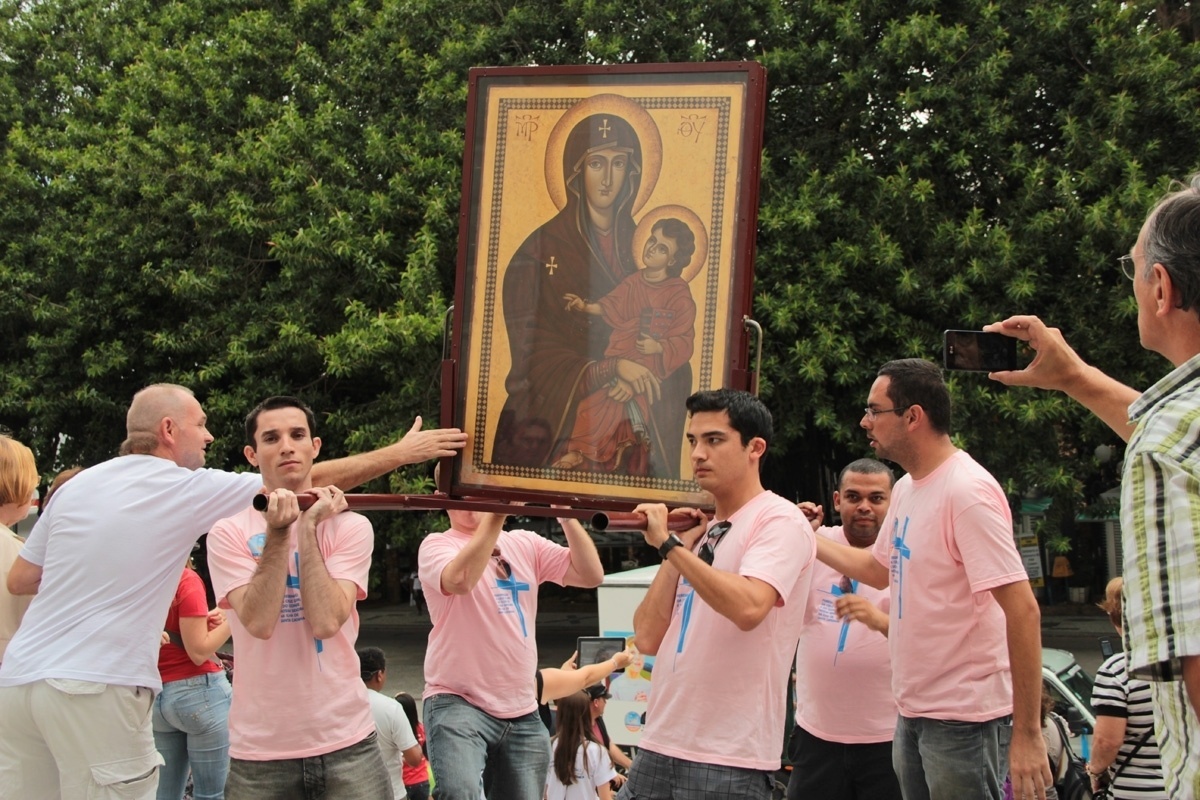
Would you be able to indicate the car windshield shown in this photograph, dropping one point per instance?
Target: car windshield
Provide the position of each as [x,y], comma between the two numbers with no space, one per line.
[1079,683]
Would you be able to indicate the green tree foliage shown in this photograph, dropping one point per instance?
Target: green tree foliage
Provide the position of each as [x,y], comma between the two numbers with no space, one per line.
[260,197]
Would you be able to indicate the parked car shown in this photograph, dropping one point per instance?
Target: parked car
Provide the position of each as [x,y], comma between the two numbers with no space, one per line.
[1071,687]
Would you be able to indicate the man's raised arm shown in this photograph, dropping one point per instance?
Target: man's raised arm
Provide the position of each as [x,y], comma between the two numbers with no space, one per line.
[1057,366]
[415,446]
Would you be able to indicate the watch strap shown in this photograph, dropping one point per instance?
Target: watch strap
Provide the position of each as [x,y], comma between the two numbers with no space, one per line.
[670,544]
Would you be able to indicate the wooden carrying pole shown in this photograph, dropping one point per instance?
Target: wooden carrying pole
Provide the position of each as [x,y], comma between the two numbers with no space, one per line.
[607,521]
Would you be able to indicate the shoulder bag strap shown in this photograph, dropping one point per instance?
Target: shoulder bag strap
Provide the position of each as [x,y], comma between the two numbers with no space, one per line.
[1132,753]
[1064,755]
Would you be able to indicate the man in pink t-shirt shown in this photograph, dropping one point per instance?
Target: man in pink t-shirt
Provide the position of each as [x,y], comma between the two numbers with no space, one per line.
[300,713]
[482,727]
[722,619]
[964,627]
[841,747]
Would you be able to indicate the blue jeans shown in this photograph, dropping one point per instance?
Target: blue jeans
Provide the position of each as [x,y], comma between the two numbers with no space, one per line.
[470,750]
[947,760]
[356,772]
[191,728]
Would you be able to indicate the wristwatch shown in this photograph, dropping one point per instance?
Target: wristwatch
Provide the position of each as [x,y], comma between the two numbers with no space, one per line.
[670,544]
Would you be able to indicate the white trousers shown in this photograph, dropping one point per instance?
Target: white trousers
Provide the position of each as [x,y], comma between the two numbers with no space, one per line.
[77,739]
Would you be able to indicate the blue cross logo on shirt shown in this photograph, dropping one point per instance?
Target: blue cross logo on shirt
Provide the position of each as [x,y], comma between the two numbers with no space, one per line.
[902,554]
[836,591]
[293,582]
[685,615]
[511,584]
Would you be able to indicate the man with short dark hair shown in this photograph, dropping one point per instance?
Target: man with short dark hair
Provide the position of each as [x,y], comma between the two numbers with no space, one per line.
[300,713]
[963,625]
[397,742]
[723,617]
[1160,485]
[845,713]
[79,678]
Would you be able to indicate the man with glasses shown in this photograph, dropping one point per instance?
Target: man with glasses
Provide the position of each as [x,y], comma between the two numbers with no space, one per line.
[1160,486]
[480,711]
[963,626]
[723,618]
[845,713]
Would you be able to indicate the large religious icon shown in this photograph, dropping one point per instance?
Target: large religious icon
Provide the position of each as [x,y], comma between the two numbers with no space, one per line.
[605,266]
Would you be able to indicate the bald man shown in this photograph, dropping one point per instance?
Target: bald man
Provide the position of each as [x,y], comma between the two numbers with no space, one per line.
[79,678]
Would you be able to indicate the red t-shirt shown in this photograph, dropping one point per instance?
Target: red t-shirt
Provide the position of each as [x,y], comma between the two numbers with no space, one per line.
[174,664]
[419,773]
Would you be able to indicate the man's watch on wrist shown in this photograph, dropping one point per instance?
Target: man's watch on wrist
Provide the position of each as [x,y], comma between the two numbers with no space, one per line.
[670,544]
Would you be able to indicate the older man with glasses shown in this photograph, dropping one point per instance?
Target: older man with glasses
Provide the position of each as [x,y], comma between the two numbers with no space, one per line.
[1160,499]
[723,615]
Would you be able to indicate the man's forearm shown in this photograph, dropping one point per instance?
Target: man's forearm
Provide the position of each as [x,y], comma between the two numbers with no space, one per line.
[351,471]
[466,568]
[1107,398]
[326,606]
[653,614]
[586,569]
[739,599]
[853,562]
[261,600]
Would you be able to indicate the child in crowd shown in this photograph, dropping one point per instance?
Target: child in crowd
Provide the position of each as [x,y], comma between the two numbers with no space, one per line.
[416,779]
[580,769]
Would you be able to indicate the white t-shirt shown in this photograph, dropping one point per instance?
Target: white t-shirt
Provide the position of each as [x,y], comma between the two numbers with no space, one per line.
[111,546]
[599,771]
[395,736]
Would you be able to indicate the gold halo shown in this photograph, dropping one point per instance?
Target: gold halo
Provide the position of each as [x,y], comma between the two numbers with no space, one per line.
[618,106]
[646,224]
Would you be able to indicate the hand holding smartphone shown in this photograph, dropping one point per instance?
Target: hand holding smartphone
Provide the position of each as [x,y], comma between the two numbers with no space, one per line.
[595,649]
[976,351]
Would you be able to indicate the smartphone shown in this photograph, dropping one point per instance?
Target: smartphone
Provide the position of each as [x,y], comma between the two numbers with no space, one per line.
[1106,647]
[976,351]
[595,649]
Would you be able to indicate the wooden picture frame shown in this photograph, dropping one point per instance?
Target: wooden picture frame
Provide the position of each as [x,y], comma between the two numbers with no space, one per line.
[605,268]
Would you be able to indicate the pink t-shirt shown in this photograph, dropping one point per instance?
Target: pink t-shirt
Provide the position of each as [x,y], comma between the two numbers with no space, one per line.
[947,540]
[719,692]
[482,647]
[843,669]
[294,696]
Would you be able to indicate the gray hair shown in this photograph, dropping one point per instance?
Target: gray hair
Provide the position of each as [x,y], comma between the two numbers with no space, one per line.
[1173,240]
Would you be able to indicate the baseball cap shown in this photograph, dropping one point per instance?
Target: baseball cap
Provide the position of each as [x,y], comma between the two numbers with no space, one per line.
[598,691]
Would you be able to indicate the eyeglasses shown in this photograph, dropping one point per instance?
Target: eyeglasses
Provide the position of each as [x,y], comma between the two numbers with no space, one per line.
[1127,266]
[708,550]
[872,413]
[504,567]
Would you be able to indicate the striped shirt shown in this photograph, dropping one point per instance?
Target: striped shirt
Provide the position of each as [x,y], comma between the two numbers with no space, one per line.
[1117,695]
[1160,528]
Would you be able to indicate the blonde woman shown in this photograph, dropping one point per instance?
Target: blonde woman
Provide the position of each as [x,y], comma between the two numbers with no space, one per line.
[18,479]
